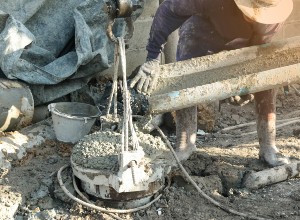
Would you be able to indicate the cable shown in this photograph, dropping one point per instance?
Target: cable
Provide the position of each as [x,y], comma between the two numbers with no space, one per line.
[101,209]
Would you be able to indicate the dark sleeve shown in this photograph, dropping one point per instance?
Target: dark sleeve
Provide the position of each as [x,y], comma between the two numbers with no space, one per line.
[170,15]
[263,33]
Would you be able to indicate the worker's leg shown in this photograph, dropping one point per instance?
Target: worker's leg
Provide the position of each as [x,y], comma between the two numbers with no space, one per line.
[189,46]
[186,128]
[266,128]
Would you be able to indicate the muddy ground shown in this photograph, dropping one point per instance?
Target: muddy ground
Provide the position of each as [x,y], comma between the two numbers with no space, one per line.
[218,166]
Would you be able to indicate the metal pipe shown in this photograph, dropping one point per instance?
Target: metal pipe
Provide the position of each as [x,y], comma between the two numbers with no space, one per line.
[224,89]
[219,76]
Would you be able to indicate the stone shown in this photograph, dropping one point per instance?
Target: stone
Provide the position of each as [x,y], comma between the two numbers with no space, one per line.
[236,118]
[5,167]
[9,205]
[46,203]
[40,193]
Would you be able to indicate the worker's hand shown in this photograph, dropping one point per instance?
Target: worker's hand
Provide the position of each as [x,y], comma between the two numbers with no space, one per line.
[237,43]
[241,100]
[146,78]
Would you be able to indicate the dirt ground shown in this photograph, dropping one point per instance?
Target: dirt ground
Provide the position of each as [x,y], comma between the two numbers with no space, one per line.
[218,166]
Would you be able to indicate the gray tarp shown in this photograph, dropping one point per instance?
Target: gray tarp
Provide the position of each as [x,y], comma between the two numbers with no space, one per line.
[49,42]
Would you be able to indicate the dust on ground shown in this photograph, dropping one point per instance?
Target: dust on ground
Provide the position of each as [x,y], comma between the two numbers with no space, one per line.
[218,165]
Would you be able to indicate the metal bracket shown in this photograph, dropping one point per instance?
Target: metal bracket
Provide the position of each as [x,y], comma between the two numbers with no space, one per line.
[120,9]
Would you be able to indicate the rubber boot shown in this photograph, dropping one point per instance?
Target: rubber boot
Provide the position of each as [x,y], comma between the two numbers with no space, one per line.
[186,130]
[266,128]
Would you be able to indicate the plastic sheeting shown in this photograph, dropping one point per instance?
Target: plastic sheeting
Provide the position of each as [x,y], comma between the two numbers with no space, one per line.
[47,42]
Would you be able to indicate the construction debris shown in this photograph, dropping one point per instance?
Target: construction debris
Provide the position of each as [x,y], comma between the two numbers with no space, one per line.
[266,177]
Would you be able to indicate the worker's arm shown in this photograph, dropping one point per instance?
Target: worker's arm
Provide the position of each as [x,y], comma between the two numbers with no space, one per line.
[262,34]
[170,15]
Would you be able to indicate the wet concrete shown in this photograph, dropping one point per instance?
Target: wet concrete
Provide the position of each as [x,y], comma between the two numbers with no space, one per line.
[100,150]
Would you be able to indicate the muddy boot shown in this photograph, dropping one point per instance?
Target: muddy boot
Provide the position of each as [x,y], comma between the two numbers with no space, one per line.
[186,128]
[266,128]
[271,156]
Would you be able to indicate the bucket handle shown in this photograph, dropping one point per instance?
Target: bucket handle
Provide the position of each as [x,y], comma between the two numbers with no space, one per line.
[52,108]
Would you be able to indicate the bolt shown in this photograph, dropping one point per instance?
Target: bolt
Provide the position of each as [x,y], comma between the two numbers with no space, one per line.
[132,166]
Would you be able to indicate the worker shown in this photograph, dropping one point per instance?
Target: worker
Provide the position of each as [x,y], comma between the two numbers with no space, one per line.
[208,27]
